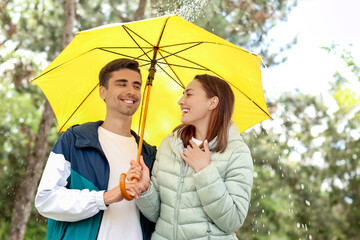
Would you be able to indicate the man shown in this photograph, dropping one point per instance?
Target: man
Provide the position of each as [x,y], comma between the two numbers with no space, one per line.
[79,190]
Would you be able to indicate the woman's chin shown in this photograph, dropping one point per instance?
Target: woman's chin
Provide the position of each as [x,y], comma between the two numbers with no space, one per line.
[184,121]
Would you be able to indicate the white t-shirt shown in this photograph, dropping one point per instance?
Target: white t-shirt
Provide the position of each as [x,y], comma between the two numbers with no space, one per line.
[122,219]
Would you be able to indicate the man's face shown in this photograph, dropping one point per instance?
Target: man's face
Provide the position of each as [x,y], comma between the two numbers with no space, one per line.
[123,93]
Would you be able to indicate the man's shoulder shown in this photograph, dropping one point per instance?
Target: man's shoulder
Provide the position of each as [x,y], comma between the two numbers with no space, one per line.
[88,126]
[82,135]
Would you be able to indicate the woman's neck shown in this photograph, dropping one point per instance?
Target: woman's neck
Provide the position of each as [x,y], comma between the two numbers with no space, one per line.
[201,132]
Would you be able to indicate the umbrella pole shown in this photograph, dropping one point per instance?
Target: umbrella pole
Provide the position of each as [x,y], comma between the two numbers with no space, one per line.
[151,76]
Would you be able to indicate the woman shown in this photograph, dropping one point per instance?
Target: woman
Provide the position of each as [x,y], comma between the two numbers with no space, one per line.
[195,193]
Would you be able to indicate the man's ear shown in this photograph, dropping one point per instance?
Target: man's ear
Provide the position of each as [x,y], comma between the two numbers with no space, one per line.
[213,103]
[102,92]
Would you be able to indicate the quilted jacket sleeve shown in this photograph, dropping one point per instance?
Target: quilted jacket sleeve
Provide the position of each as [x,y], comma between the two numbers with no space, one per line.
[149,201]
[226,201]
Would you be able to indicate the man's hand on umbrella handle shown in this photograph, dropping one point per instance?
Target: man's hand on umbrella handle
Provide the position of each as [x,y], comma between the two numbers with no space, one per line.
[134,171]
[114,195]
[140,172]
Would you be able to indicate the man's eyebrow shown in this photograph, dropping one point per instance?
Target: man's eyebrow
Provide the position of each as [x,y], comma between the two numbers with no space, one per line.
[125,81]
[121,80]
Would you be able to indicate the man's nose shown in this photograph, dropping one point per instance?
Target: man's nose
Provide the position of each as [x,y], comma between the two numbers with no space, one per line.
[130,91]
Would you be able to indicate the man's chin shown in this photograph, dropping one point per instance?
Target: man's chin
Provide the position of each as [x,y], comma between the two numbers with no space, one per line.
[128,112]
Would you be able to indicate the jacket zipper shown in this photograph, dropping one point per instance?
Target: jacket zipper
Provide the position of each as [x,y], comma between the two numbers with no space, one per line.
[183,170]
[208,229]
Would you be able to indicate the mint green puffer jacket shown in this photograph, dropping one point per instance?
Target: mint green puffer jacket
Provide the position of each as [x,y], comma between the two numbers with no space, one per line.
[210,204]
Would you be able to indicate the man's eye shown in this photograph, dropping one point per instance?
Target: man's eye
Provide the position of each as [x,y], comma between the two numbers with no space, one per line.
[137,87]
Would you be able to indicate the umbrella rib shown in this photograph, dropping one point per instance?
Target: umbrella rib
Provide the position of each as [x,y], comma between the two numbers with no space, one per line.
[126,27]
[125,47]
[105,50]
[137,58]
[62,64]
[181,84]
[79,106]
[235,47]
[143,55]
[248,98]
[187,60]
[162,31]
[177,65]
[171,54]
[126,30]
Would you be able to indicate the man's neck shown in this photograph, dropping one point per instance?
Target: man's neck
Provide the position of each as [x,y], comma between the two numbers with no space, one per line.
[118,126]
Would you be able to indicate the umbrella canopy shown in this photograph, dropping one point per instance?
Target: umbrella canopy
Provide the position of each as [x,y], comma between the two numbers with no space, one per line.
[181,50]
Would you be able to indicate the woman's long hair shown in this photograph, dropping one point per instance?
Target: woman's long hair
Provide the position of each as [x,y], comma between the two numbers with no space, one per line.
[220,116]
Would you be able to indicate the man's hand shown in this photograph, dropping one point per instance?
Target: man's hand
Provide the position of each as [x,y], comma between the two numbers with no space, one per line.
[195,157]
[114,195]
[141,173]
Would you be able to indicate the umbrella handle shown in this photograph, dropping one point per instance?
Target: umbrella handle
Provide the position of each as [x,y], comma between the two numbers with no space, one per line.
[123,175]
[123,188]
[123,178]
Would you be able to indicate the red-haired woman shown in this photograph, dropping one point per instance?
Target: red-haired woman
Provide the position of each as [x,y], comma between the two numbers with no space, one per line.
[202,177]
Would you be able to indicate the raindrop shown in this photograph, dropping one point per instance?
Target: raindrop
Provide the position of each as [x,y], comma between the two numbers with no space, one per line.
[298,225]
[302,186]
[269,232]
[262,210]
[307,202]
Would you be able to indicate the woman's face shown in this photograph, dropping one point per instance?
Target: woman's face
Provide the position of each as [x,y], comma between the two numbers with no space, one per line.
[195,105]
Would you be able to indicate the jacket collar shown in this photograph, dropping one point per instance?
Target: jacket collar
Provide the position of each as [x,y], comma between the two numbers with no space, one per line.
[87,136]
[177,145]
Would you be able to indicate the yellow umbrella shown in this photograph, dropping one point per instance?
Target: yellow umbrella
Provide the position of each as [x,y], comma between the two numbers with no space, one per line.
[171,51]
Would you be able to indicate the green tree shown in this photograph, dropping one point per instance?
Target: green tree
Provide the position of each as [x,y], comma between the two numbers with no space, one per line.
[307,167]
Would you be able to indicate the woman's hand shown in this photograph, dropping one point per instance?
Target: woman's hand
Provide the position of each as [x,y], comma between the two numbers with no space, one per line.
[195,157]
[141,173]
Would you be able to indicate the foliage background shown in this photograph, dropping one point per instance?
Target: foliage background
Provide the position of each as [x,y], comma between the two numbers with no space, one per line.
[316,197]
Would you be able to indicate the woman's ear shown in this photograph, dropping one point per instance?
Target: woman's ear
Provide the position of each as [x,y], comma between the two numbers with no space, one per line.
[213,102]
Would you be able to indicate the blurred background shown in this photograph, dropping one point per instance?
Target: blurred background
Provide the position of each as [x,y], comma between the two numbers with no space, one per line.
[307,171]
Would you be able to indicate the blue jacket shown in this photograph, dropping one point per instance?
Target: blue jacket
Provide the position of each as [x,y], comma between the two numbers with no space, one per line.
[83,163]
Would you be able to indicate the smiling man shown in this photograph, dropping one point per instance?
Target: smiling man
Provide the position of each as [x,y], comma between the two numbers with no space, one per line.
[79,191]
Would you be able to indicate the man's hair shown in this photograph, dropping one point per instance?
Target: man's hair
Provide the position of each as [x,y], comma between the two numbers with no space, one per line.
[115,65]
[221,115]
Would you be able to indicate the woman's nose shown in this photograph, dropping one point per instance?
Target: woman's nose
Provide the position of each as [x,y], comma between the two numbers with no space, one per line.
[181,101]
